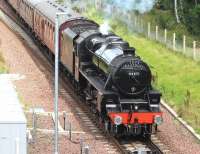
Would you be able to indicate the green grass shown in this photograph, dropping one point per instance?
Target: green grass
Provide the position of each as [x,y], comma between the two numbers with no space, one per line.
[3,68]
[178,78]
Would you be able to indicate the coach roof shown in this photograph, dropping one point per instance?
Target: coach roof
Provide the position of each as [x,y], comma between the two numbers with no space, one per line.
[49,9]
[34,2]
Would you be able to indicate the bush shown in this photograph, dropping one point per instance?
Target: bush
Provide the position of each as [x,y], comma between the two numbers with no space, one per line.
[164,4]
[193,17]
[165,19]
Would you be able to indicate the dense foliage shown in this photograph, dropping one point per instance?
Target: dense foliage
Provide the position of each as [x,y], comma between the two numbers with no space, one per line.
[193,16]
[188,11]
[3,68]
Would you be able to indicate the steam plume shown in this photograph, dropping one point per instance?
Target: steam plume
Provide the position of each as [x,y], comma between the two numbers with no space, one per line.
[105,28]
[141,6]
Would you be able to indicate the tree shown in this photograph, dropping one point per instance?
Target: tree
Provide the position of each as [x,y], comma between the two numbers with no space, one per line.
[193,17]
[176,11]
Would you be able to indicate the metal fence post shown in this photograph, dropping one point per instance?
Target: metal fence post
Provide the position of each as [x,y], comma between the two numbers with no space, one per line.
[129,17]
[156,33]
[86,149]
[34,124]
[184,44]
[165,39]
[135,20]
[194,50]
[149,29]
[70,131]
[174,41]
[64,118]
[142,26]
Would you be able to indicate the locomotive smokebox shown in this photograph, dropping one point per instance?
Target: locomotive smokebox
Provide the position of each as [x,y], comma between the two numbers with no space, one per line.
[131,76]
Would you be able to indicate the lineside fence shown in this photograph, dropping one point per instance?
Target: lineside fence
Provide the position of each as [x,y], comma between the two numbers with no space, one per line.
[176,43]
[135,23]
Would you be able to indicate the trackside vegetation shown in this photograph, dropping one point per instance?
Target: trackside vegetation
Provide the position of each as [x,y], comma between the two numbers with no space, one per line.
[177,77]
[3,68]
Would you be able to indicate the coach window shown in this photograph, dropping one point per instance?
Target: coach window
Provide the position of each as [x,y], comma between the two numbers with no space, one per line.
[22,5]
[47,31]
[45,28]
[53,36]
[37,21]
[41,25]
[36,24]
[53,32]
[50,32]
[29,13]
[35,18]
[25,9]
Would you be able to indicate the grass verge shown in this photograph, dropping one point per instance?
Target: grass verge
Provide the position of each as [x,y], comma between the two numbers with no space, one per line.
[177,77]
[166,19]
[3,68]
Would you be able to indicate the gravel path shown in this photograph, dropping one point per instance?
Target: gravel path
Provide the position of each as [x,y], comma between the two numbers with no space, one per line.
[36,91]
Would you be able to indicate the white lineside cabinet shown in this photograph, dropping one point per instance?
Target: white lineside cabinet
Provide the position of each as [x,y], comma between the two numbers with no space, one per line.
[12,121]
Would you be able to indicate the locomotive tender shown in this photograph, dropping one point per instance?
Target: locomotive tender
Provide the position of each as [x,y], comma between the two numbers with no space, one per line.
[104,69]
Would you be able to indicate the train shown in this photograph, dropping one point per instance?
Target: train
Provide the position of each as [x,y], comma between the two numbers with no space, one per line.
[103,68]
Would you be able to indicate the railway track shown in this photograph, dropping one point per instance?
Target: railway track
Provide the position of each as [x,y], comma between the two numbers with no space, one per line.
[113,144]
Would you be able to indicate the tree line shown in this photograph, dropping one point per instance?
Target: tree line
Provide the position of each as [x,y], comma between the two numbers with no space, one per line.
[186,12]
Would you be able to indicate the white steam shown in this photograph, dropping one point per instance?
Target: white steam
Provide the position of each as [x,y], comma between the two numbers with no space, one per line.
[122,10]
[141,6]
[105,28]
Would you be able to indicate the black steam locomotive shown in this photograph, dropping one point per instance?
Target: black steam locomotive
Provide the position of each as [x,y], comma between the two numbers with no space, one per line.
[104,69]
